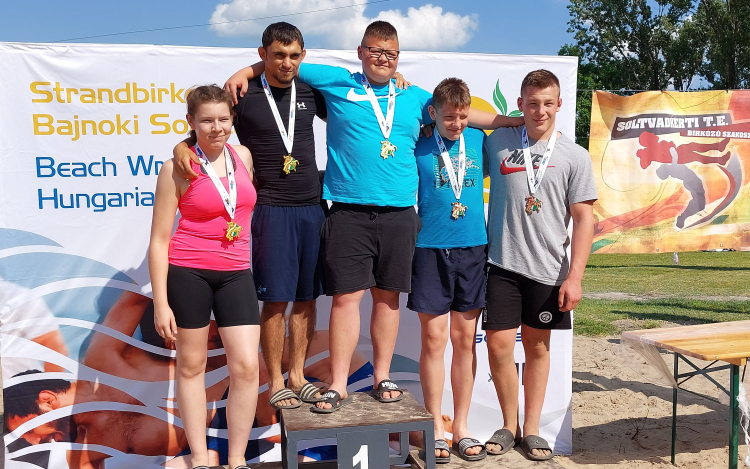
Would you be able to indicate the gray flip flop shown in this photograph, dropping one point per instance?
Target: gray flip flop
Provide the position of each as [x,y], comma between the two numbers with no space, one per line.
[442,445]
[502,437]
[466,443]
[281,395]
[535,442]
[307,393]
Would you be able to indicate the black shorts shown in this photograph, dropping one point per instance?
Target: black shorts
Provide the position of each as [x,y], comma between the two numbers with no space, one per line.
[367,246]
[286,245]
[513,299]
[445,280]
[194,293]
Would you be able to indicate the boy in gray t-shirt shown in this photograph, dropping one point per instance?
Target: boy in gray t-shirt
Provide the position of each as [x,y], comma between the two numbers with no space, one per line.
[532,282]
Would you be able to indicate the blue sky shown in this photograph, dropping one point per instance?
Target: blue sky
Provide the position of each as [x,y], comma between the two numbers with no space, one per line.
[489,26]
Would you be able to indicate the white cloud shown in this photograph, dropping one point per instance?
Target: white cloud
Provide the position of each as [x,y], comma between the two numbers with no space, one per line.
[423,28]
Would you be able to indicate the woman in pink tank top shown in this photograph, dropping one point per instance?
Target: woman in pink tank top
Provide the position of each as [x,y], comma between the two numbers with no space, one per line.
[205,267]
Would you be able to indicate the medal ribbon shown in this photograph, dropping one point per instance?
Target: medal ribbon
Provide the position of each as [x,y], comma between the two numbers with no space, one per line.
[457,183]
[536,181]
[386,123]
[286,137]
[229,199]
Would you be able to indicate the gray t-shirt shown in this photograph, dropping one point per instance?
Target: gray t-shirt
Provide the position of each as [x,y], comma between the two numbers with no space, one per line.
[535,245]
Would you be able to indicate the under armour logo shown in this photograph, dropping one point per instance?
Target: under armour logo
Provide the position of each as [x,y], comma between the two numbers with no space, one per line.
[301,106]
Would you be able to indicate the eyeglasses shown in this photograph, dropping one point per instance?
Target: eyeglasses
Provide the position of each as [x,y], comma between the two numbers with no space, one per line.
[376,52]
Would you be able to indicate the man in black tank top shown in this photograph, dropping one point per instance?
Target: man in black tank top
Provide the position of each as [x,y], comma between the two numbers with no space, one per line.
[288,216]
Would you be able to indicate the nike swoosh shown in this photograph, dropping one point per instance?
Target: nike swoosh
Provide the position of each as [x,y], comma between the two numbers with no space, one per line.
[505,170]
[351,95]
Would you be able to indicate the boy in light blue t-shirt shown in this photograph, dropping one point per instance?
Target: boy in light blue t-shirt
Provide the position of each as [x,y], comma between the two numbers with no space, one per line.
[449,259]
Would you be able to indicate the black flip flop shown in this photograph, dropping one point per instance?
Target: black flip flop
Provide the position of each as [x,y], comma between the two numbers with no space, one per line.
[333,398]
[466,443]
[531,442]
[387,386]
[502,437]
[282,395]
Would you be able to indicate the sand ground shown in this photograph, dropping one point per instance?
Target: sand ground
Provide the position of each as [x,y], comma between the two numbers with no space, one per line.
[621,418]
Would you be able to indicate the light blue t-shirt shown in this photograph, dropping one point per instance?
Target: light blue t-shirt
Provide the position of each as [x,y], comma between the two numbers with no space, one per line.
[439,229]
[355,172]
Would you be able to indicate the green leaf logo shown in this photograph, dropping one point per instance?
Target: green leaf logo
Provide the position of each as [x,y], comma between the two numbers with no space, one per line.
[499,99]
[515,113]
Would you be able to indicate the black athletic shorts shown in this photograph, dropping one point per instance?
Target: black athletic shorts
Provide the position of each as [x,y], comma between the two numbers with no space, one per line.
[445,280]
[513,299]
[367,246]
[194,293]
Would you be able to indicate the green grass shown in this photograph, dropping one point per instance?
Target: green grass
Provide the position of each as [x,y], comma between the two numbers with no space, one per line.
[688,293]
[698,274]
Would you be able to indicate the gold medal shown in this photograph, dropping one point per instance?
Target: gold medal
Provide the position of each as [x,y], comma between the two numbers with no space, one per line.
[387,149]
[533,204]
[290,164]
[233,231]
[458,210]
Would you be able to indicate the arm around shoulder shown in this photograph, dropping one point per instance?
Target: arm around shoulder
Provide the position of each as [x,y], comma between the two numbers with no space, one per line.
[182,156]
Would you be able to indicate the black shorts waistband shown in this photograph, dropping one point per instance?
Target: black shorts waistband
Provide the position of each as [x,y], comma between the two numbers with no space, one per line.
[367,208]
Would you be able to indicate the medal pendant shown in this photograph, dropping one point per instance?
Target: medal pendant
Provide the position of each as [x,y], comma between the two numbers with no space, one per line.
[458,210]
[290,164]
[233,231]
[387,149]
[533,205]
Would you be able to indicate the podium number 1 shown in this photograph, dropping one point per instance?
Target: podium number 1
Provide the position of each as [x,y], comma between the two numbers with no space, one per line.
[361,457]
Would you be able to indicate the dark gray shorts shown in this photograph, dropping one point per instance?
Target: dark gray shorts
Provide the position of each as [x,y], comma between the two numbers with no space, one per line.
[367,246]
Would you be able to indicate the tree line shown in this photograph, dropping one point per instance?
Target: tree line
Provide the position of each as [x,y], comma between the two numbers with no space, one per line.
[633,45]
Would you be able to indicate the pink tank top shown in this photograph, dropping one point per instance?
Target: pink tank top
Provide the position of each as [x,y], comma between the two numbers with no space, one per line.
[200,241]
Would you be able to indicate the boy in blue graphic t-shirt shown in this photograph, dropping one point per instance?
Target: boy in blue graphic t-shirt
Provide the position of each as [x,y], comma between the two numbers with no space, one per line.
[448,264]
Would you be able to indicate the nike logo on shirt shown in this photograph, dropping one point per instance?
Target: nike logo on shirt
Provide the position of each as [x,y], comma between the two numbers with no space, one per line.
[352,95]
[505,169]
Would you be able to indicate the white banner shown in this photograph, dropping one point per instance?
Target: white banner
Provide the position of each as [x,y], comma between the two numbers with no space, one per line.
[83,132]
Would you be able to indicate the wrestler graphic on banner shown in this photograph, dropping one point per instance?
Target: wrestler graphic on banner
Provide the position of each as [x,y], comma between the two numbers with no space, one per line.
[674,159]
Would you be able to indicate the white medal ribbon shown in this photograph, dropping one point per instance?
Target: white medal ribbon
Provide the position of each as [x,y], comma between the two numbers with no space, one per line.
[229,199]
[386,123]
[536,181]
[457,183]
[286,136]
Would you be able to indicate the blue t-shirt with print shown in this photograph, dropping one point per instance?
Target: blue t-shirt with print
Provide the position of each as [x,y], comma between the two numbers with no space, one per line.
[355,172]
[439,229]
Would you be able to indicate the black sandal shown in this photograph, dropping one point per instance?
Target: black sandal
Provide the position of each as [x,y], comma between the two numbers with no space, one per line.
[504,438]
[535,442]
[283,395]
[334,398]
[387,386]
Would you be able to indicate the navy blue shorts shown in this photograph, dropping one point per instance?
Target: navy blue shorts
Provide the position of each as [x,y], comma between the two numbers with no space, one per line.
[445,280]
[286,247]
